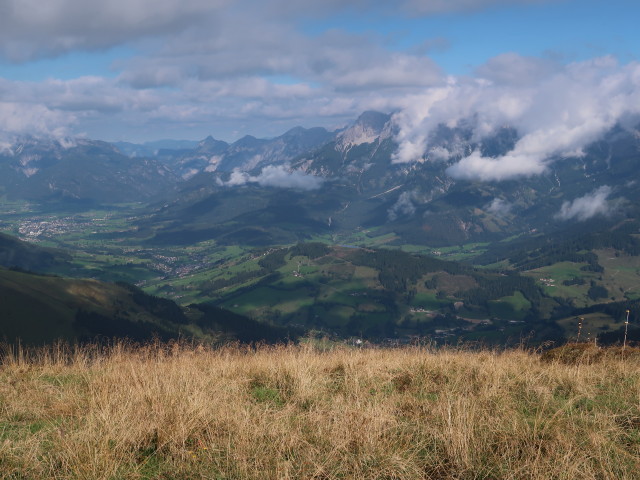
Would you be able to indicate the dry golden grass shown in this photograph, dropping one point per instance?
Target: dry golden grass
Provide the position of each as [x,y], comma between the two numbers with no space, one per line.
[188,412]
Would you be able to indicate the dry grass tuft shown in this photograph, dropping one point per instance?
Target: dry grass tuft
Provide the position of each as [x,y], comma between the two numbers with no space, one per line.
[190,412]
[588,353]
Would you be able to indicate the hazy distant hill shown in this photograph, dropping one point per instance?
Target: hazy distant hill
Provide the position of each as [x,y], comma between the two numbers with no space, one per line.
[155,149]
[248,152]
[81,171]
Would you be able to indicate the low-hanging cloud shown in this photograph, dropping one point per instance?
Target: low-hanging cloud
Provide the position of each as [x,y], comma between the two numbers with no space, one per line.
[404,206]
[18,120]
[499,207]
[275,176]
[279,176]
[568,108]
[588,206]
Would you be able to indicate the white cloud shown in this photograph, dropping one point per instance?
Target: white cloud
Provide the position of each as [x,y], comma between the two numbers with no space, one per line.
[237,178]
[246,49]
[567,109]
[590,205]
[279,176]
[404,206]
[226,66]
[275,176]
[477,167]
[440,153]
[499,207]
[228,72]
[513,69]
[35,28]
[83,96]
[32,28]
[17,119]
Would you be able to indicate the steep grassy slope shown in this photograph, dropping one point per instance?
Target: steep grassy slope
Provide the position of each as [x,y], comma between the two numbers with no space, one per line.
[40,309]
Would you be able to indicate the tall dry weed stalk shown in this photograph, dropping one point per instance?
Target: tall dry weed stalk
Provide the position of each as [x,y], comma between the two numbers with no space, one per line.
[290,412]
[626,328]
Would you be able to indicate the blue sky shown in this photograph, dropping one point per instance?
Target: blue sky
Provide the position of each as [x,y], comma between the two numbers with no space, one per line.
[570,30]
[140,70]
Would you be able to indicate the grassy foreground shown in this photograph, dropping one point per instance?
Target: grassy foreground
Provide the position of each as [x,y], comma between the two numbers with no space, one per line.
[185,412]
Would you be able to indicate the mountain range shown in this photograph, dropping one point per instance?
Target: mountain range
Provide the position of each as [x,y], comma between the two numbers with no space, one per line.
[313,181]
[253,195]
[330,182]
[79,171]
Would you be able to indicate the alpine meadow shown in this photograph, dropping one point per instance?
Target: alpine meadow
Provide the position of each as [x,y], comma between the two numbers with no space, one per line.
[321,240]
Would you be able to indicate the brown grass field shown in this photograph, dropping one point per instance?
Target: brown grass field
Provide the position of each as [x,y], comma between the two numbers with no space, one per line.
[294,412]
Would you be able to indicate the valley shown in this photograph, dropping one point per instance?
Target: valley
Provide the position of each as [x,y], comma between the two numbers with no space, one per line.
[321,233]
[325,289]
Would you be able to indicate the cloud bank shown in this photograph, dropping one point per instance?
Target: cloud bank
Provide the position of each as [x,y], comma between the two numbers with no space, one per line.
[175,68]
[227,67]
[277,177]
[588,206]
[565,109]
[33,28]
[18,120]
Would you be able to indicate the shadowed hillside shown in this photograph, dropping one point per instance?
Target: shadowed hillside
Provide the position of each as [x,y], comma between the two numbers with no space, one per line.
[38,309]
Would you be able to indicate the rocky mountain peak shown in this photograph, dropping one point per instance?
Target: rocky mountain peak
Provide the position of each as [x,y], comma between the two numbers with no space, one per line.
[367,129]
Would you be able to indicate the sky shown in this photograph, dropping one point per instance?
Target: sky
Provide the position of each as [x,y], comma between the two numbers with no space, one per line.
[560,71]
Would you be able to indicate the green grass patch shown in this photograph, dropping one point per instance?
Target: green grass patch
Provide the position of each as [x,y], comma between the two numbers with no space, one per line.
[264,394]
[428,301]
[514,307]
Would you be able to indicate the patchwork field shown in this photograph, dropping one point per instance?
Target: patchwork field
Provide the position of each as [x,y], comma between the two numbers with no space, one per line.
[333,292]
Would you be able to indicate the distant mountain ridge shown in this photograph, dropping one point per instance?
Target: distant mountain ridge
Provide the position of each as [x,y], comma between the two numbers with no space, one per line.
[154,149]
[419,202]
[80,171]
[249,153]
[310,180]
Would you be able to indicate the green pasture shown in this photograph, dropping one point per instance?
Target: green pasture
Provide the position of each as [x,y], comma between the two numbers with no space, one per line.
[551,279]
[621,274]
[514,307]
[428,301]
